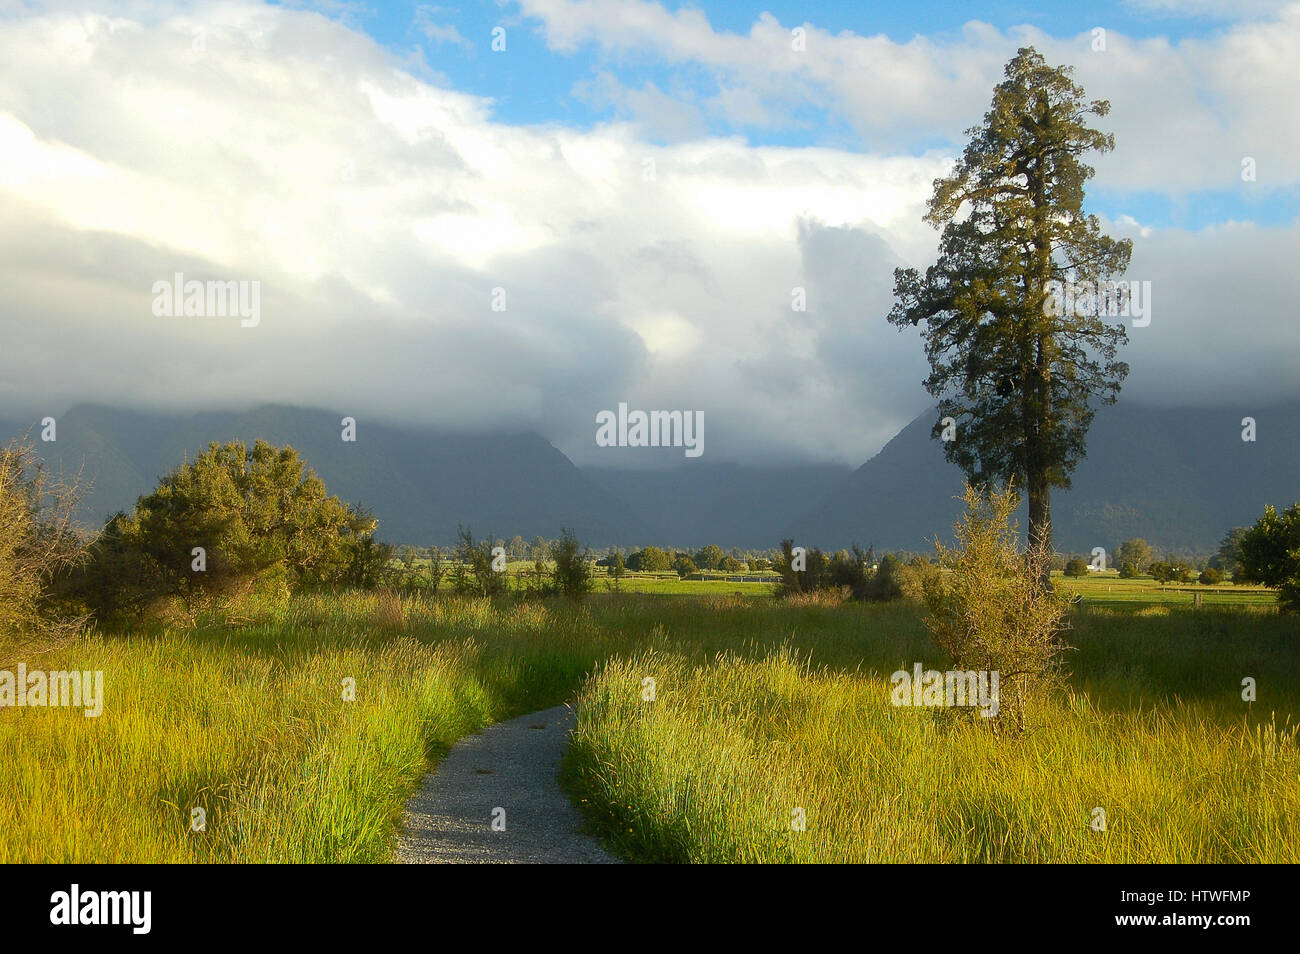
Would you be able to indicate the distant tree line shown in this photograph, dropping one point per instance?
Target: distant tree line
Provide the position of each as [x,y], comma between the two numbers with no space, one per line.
[710,558]
[560,567]
[1137,558]
[236,520]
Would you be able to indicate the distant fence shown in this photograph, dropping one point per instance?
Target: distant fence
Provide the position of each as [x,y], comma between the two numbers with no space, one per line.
[732,579]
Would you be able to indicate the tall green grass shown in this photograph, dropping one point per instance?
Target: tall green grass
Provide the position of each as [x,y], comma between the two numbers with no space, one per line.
[249,724]
[242,713]
[771,760]
[283,767]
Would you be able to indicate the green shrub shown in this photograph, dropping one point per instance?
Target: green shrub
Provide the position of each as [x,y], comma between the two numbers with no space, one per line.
[887,581]
[222,522]
[475,575]
[1167,572]
[848,571]
[651,560]
[915,575]
[1269,553]
[572,566]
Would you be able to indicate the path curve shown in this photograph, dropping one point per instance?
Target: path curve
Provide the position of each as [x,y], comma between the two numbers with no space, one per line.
[512,766]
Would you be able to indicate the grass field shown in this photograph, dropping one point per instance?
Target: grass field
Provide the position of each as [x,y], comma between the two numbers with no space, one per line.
[249,723]
[1096,589]
[663,584]
[772,760]
[761,708]
[1100,589]
[1107,589]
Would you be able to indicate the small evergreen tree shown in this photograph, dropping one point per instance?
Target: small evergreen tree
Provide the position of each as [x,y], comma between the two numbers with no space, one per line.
[616,571]
[887,582]
[572,566]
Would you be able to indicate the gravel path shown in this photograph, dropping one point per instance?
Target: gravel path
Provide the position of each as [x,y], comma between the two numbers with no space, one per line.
[511,766]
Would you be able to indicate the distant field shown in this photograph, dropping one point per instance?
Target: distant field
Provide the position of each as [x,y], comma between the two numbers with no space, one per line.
[661,583]
[670,584]
[1102,589]
[1099,589]
[1107,589]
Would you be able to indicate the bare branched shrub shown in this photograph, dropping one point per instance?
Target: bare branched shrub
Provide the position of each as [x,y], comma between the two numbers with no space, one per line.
[37,541]
[990,608]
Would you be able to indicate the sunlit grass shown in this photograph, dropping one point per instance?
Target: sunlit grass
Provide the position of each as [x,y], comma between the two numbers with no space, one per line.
[728,761]
[243,715]
[1108,589]
[284,768]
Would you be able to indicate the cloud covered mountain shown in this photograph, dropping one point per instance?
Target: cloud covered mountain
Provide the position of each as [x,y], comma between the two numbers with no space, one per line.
[1179,478]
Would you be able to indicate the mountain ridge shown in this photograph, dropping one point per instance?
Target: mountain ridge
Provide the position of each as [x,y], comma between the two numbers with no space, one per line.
[1178,477]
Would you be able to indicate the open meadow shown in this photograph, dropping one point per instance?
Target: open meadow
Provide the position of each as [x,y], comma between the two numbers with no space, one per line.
[767,733]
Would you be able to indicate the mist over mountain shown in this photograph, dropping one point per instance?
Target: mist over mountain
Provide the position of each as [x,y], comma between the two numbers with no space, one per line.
[420,484]
[1179,478]
[732,505]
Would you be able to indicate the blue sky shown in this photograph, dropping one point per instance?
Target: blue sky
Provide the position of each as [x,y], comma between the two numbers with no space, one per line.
[536,84]
[537,87]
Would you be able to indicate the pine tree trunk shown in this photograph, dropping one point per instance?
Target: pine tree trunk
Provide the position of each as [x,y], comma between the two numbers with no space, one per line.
[1040,522]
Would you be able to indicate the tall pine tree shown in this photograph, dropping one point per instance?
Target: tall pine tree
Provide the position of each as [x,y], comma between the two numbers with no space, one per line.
[1019,374]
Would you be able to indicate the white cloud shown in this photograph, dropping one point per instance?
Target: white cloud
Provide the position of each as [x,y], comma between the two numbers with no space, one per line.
[426,21]
[1184,114]
[380,212]
[656,114]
